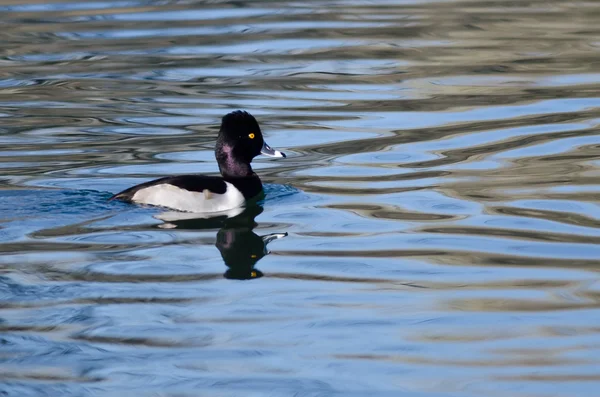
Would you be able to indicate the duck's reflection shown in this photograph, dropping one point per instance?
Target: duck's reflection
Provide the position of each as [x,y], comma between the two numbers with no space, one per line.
[240,247]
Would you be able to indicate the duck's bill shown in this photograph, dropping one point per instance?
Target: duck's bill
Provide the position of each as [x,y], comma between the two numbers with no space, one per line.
[267,238]
[269,151]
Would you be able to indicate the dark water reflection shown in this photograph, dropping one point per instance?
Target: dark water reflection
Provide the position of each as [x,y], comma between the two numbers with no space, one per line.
[440,199]
[239,246]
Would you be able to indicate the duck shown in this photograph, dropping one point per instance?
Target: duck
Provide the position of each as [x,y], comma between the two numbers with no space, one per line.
[239,141]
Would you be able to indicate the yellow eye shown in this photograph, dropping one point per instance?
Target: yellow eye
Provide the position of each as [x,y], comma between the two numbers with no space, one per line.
[251,136]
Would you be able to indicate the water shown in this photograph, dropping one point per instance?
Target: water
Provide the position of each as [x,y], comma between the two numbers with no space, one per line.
[434,232]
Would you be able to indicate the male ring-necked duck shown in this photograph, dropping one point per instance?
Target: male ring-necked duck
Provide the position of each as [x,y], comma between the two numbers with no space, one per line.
[240,140]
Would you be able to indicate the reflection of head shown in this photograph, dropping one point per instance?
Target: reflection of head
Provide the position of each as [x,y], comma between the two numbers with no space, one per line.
[240,247]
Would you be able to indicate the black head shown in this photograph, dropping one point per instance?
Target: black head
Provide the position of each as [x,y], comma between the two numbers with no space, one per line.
[240,140]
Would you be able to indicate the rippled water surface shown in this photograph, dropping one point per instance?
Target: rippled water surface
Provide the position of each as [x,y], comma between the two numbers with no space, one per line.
[434,230]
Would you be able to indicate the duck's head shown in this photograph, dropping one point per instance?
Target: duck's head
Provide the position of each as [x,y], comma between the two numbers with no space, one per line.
[240,140]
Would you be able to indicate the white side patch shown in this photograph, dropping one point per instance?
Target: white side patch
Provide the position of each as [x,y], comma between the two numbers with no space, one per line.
[165,195]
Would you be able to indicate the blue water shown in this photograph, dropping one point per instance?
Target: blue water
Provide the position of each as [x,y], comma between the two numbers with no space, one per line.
[434,231]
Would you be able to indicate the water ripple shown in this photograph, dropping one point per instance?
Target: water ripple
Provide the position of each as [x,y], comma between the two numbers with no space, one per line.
[437,213]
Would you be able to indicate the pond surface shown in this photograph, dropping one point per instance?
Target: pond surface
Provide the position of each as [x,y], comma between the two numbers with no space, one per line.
[434,231]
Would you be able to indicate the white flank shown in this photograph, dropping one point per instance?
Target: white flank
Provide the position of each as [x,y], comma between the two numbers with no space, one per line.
[165,195]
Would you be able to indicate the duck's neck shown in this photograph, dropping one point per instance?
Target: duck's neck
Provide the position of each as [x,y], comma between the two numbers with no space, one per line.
[231,167]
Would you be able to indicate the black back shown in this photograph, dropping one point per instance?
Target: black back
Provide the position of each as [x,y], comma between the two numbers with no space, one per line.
[194,183]
[250,186]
